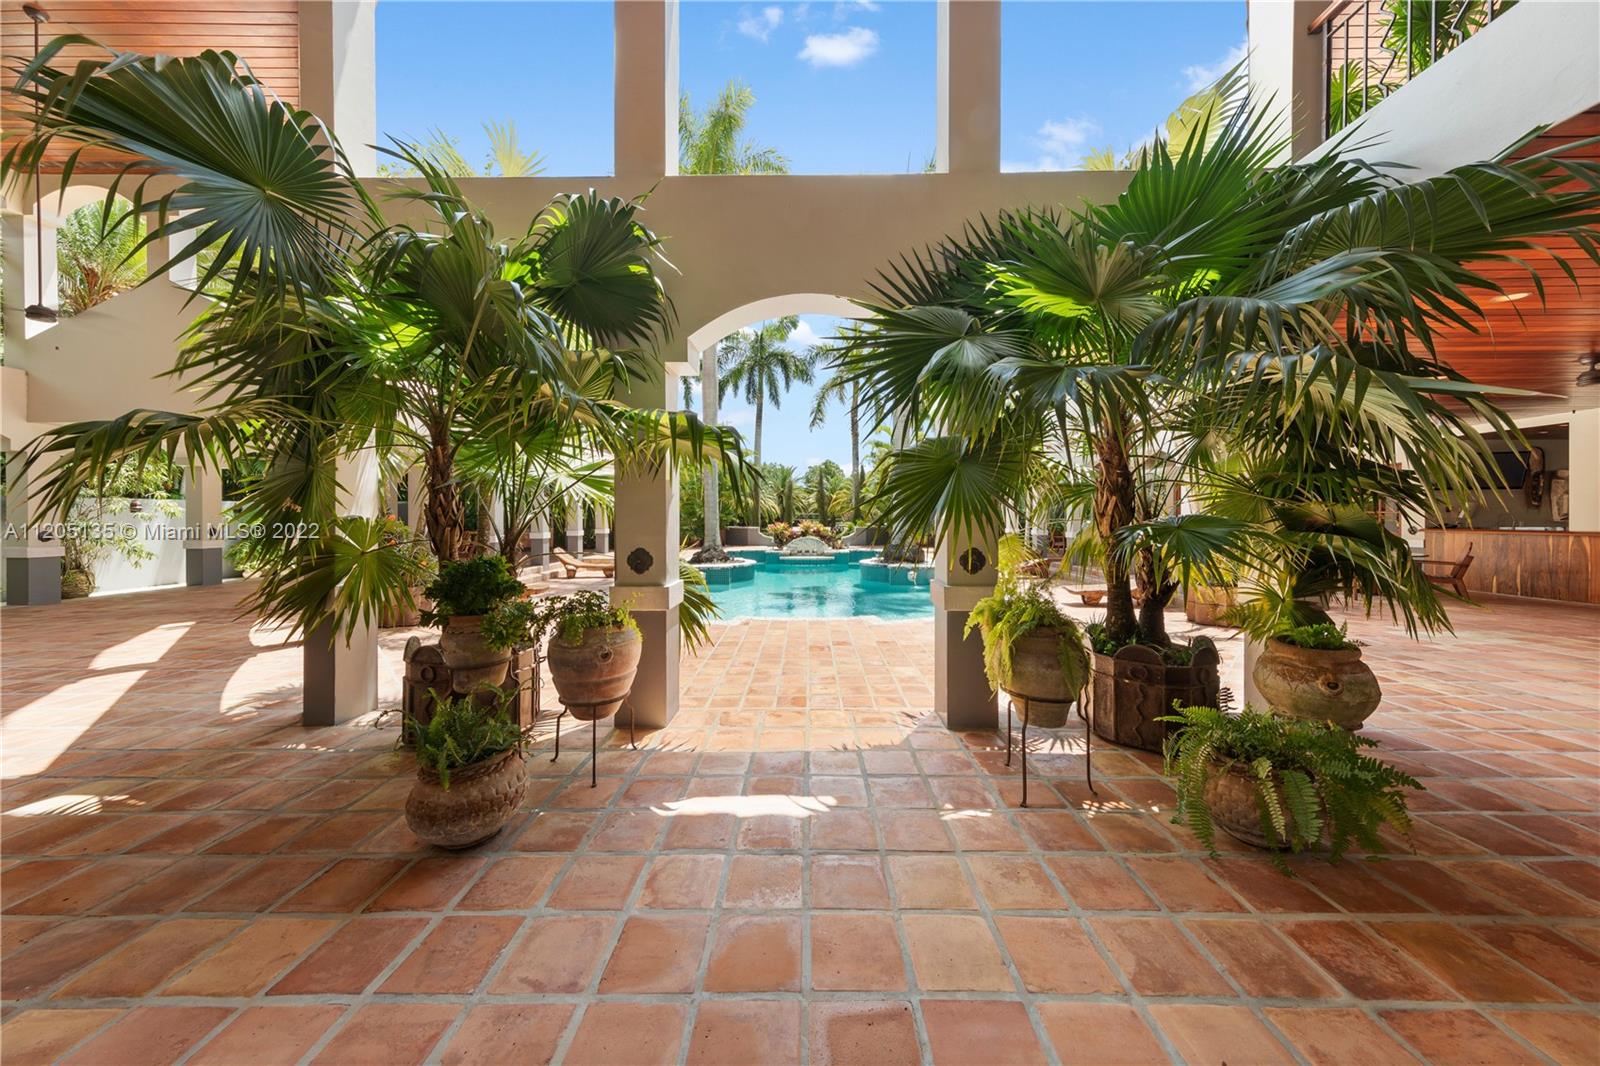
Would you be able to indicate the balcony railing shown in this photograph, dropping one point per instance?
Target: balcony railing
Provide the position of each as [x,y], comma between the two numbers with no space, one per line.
[1372,47]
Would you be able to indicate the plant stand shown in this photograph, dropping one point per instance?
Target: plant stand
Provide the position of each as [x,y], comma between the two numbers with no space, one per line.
[593,716]
[1088,743]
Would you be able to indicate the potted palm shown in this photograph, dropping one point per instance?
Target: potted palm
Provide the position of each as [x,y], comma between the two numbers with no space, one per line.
[1282,784]
[464,593]
[593,652]
[1115,362]
[470,773]
[1031,650]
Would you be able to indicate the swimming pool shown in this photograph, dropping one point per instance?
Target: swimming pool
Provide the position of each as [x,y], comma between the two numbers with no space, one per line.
[832,587]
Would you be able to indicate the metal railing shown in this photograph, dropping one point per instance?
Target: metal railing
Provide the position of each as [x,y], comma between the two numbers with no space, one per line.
[1372,47]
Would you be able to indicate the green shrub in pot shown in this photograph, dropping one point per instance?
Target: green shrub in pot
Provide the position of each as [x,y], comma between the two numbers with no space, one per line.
[1030,649]
[464,594]
[470,775]
[593,652]
[1282,783]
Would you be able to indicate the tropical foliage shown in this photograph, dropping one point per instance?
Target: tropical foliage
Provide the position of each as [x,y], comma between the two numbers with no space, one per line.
[1255,340]
[712,141]
[471,588]
[1018,608]
[341,333]
[505,157]
[99,253]
[759,366]
[1311,781]
[462,733]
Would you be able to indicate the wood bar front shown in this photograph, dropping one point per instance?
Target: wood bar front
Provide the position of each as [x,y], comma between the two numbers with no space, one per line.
[1546,564]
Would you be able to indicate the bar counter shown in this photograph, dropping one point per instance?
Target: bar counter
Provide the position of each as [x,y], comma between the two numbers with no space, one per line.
[1547,564]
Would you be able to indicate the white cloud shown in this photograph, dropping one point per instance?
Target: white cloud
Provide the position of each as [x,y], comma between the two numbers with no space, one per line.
[1060,144]
[760,24]
[804,336]
[840,49]
[738,418]
[845,8]
[1199,76]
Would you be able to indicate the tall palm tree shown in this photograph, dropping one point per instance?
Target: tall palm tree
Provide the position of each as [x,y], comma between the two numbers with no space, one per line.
[1226,320]
[333,331]
[711,142]
[840,387]
[758,365]
[506,157]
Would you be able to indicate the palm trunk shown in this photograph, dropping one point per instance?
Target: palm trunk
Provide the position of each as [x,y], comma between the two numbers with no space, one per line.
[1157,594]
[755,505]
[1113,510]
[855,459]
[445,512]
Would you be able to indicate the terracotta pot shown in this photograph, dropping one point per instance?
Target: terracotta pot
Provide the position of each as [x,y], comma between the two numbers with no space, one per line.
[472,662]
[1316,684]
[1205,605]
[1130,692]
[1231,797]
[481,799]
[1036,674]
[408,617]
[593,677]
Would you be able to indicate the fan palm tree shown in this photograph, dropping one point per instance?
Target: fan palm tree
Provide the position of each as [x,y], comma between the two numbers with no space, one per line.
[1222,310]
[760,367]
[839,388]
[711,142]
[336,332]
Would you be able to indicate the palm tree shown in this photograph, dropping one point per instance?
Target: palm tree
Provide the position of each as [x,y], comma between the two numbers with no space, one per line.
[761,367]
[505,159]
[779,492]
[839,387]
[98,255]
[827,490]
[335,332]
[1261,333]
[710,142]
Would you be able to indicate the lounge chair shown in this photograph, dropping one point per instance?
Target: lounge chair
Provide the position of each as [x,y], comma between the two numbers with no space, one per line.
[605,564]
[1454,572]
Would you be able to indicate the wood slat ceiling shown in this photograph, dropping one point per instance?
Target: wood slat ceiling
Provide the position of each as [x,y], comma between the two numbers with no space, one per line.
[264,33]
[1528,346]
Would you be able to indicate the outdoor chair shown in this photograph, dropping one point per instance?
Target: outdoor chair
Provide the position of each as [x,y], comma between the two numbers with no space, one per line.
[1448,572]
[605,564]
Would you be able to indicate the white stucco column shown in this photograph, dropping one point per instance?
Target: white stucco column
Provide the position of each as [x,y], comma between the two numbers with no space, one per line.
[1286,67]
[647,582]
[24,266]
[539,541]
[968,79]
[710,400]
[202,526]
[645,117]
[575,528]
[964,573]
[1583,460]
[338,74]
[341,676]
[32,554]
[602,530]
[416,489]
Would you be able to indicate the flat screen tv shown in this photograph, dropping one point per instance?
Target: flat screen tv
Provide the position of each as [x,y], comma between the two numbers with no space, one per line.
[1513,470]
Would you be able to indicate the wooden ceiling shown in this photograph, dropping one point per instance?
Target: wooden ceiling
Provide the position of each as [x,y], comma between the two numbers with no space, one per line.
[264,33]
[1528,346]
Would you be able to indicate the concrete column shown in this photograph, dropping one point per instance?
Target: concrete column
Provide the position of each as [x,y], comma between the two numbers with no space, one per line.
[575,528]
[416,489]
[645,119]
[964,573]
[339,74]
[602,530]
[491,524]
[1583,460]
[22,269]
[646,525]
[968,81]
[32,555]
[539,541]
[341,676]
[202,522]
[1286,68]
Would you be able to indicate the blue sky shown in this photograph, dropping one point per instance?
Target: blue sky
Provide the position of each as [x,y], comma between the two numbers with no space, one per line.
[841,88]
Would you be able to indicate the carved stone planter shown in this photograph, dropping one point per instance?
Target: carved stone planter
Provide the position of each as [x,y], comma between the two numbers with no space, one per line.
[1130,690]
[481,799]
[593,677]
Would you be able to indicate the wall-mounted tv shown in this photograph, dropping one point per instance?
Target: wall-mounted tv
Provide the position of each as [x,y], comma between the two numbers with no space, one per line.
[1513,470]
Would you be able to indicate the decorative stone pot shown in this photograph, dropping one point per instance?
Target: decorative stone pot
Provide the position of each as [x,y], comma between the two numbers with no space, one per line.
[1037,675]
[594,676]
[76,584]
[1231,797]
[1131,690]
[472,662]
[1317,684]
[481,799]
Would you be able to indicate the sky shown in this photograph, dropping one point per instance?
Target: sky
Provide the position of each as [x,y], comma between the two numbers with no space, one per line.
[841,88]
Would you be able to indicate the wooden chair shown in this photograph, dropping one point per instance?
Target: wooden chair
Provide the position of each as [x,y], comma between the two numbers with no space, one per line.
[605,564]
[1453,574]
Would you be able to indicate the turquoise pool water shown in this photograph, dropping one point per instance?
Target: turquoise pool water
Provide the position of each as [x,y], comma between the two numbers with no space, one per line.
[821,588]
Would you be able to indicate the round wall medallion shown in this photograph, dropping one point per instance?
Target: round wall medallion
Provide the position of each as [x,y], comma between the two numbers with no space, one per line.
[640,560]
[972,560]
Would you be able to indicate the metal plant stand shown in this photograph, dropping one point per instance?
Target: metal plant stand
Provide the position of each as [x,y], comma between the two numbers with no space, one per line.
[1088,743]
[594,732]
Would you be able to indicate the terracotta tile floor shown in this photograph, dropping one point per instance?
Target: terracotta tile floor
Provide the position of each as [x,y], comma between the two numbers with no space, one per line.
[805,867]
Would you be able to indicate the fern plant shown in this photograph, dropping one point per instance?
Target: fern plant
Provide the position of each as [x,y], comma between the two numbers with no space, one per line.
[462,733]
[1312,783]
[1016,609]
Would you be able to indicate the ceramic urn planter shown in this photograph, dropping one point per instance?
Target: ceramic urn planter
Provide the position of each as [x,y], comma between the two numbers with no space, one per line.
[1317,684]
[481,799]
[593,677]
[472,662]
[1038,685]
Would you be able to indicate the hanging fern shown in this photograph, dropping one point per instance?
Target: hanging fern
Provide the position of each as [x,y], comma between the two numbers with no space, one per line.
[1313,786]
